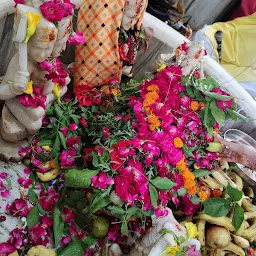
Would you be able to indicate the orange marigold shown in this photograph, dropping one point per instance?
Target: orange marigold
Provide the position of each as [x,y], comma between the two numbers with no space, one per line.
[193,190]
[194,105]
[202,105]
[178,52]
[216,130]
[203,195]
[153,88]
[150,99]
[178,142]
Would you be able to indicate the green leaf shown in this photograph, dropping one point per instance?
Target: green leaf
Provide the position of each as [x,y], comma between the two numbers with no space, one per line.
[74,248]
[216,207]
[217,113]
[62,140]
[201,173]
[238,216]
[116,210]
[95,160]
[124,228]
[45,142]
[234,194]
[76,178]
[195,200]
[99,201]
[56,147]
[33,217]
[233,113]
[89,241]
[163,183]
[182,191]
[58,225]
[153,195]
[32,196]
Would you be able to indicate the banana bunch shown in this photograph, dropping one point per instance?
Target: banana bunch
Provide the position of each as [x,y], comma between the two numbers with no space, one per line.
[51,172]
[217,235]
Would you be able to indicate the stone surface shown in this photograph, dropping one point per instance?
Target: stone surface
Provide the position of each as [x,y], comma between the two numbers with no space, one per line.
[9,150]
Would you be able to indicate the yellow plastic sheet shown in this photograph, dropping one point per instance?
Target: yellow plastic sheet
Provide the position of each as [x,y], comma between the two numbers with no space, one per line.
[238,46]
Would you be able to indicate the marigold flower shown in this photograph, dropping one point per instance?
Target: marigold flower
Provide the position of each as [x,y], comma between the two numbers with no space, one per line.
[194,105]
[178,52]
[203,195]
[177,142]
[202,105]
[193,190]
[115,92]
[153,88]
[191,230]
[154,122]
[150,99]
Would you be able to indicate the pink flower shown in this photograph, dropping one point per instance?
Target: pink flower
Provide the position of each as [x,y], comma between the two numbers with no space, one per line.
[24,152]
[83,122]
[48,198]
[65,240]
[5,194]
[101,181]
[126,118]
[47,66]
[223,104]
[114,234]
[64,130]
[6,249]
[19,2]
[27,171]
[192,251]
[70,142]
[68,214]
[3,175]
[250,251]
[161,212]
[106,133]
[52,11]
[73,127]
[16,236]
[19,208]
[76,38]
[176,201]
[67,7]
[25,182]
[89,252]
[67,157]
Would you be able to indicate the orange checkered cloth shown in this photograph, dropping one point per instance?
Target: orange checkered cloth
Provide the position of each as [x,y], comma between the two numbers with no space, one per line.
[98,60]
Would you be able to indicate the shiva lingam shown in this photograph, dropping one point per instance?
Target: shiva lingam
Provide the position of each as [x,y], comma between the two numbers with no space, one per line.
[154,242]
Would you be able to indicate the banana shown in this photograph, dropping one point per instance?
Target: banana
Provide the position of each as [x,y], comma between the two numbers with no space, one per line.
[188,218]
[248,206]
[242,242]
[249,192]
[242,228]
[234,249]
[220,252]
[210,182]
[251,231]
[220,221]
[238,181]
[15,253]
[252,239]
[44,177]
[220,177]
[201,231]
[224,165]
[249,215]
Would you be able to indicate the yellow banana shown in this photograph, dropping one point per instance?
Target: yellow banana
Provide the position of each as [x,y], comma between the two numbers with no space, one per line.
[201,231]
[249,215]
[220,177]
[238,181]
[241,242]
[44,177]
[220,221]
[248,206]
[210,182]
[235,249]
[14,254]
[249,192]
[251,231]
[242,228]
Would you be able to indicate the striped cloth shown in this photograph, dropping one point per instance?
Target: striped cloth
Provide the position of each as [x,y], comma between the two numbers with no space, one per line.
[98,60]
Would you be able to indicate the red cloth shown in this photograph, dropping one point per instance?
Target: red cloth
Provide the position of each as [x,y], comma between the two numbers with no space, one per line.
[247,7]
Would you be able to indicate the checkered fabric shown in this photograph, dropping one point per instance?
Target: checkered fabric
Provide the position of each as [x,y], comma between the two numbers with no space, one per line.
[98,60]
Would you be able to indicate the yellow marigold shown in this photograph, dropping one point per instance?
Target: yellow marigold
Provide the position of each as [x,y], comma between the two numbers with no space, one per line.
[148,110]
[216,130]
[154,122]
[203,195]
[150,99]
[181,165]
[153,88]
[191,230]
[193,190]
[178,142]
[194,105]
